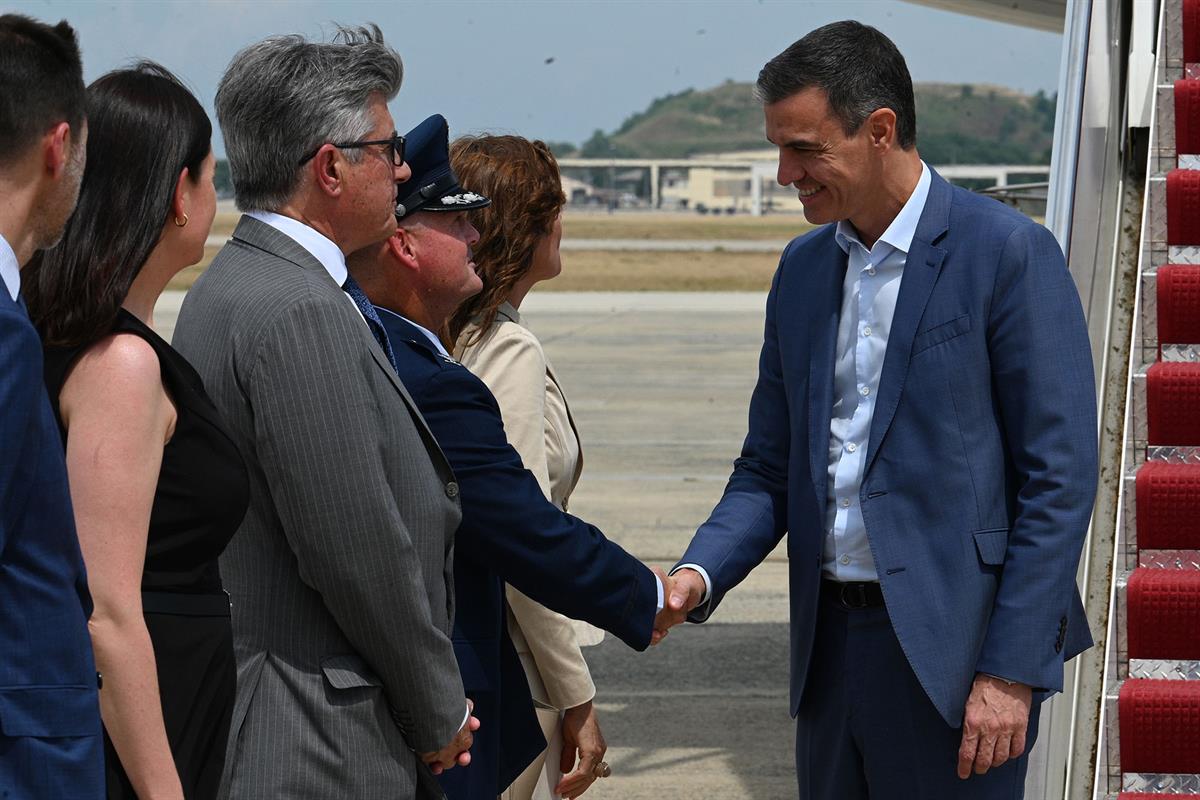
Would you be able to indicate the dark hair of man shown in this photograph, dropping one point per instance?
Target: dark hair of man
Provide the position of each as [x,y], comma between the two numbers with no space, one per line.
[144,127]
[521,179]
[41,82]
[859,69]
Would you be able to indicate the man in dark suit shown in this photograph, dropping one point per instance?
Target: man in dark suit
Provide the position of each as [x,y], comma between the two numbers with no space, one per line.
[510,532]
[50,743]
[340,574]
[924,430]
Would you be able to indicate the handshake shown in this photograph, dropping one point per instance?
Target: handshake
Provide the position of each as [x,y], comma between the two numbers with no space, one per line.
[682,592]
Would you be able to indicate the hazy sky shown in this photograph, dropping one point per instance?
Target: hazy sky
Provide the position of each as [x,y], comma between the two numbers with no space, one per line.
[483,64]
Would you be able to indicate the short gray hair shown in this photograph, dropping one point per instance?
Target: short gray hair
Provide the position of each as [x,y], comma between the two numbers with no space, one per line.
[284,97]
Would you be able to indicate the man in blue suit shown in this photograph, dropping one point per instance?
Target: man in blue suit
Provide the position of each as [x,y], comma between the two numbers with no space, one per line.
[50,743]
[510,532]
[924,431]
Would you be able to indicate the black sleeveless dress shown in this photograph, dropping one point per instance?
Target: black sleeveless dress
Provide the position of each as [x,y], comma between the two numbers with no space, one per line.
[201,497]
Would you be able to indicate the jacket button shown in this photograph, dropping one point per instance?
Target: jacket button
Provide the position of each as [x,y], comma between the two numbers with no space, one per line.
[452,490]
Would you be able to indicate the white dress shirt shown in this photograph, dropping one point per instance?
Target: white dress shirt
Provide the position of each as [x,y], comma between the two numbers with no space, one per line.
[868,305]
[10,270]
[319,246]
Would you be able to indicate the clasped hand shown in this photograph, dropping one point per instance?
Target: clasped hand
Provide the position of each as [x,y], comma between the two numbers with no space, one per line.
[682,592]
[457,752]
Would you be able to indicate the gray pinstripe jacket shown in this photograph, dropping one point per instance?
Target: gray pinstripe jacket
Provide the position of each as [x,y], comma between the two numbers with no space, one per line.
[341,575]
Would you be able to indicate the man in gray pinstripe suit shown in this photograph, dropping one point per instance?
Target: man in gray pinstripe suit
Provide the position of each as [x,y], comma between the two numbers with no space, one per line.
[341,575]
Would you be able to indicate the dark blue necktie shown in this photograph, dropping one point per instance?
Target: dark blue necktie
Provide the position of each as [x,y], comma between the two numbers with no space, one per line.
[359,297]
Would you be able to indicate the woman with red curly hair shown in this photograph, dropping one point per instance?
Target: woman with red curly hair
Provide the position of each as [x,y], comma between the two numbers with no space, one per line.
[519,247]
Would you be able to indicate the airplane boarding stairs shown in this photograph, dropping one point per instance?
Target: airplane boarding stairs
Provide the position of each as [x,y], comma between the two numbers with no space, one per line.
[1151,716]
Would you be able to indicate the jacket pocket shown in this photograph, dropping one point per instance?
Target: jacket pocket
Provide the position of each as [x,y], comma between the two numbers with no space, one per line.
[940,333]
[348,671]
[49,711]
[992,544]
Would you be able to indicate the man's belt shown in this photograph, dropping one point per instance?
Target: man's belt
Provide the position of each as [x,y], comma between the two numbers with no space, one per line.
[852,595]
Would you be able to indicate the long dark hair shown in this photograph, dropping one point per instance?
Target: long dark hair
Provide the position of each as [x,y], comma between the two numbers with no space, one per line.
[144,127]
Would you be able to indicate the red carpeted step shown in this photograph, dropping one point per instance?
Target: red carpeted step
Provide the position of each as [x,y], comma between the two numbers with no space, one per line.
[1160,726]
[1187,117]
[1173,403]
[1191,31]
[1164,614]
[1177,289]
[1168,506]
[1156,796]
[1183,207]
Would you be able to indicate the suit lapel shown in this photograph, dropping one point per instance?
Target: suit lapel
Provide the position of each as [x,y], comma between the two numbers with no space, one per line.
[570,420]
[253,233]
[826,302]
[921,270]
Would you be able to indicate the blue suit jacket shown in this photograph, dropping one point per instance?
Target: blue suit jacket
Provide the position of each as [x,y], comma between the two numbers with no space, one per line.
[509,533]
[47,675]
[981,464]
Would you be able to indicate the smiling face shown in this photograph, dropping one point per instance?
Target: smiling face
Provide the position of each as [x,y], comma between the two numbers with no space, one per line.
[834,174]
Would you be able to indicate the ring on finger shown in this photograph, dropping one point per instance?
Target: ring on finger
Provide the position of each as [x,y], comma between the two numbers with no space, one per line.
[602,770]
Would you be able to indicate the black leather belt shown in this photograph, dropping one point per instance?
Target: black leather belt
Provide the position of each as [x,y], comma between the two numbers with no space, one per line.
[186,605]
[852,595]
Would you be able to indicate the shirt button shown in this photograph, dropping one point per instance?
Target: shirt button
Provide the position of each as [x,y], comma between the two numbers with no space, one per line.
[865,391]
[845,502]
[850,448]
[867,331]
[452,490]
[844,559]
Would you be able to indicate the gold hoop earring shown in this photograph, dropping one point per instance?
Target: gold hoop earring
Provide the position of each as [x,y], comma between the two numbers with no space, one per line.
[179,224]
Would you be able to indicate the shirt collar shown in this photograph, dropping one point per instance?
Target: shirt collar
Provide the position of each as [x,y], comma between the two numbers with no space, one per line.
[506,310]
[900,233]
[10,270]
[428,333]
[317,244]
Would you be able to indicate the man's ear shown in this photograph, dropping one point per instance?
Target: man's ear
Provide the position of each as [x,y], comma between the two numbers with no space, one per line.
[881,126]
[56,148]
[328,170]
[403,248]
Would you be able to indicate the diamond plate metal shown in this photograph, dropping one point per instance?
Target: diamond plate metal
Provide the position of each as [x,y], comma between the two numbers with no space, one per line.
[1172,29]
[1181,352]
[1149,321]
[1127,536]
[1122,627]
[1173,455]
[1169,559]
[1183,254]
[1188,161]
[1164,105]
[1167,784]
[1112,736]
[1156,208]
[1192,72]
[1164,670]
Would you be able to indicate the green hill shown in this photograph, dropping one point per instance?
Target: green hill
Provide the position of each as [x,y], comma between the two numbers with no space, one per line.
[956,123]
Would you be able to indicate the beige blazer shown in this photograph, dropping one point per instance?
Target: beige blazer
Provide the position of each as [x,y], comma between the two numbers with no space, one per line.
[537,420]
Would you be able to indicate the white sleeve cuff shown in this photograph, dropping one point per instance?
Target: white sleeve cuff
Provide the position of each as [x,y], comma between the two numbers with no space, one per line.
[658,585]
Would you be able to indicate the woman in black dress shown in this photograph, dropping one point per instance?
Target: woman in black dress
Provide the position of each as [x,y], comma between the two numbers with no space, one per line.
[158,487]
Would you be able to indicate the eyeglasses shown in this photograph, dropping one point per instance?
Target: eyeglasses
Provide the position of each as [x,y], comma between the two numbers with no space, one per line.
[396,143]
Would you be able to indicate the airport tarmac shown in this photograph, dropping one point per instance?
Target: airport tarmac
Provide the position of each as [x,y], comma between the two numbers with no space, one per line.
[659,384]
